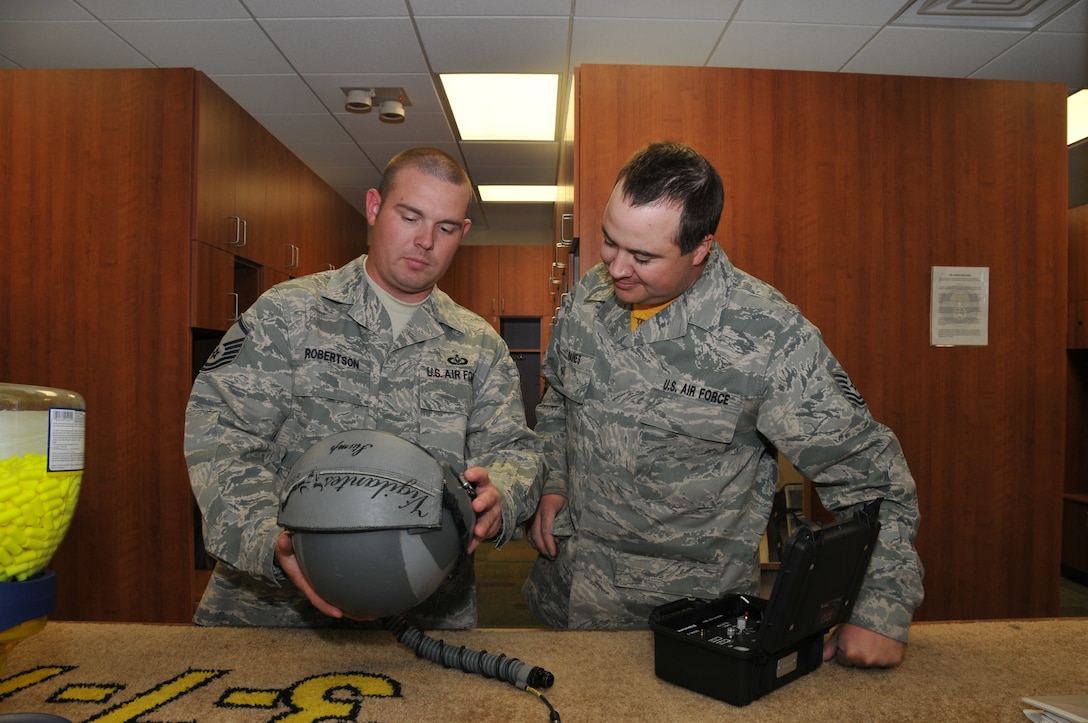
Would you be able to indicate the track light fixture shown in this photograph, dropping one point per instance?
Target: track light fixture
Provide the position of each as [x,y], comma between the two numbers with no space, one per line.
[392,111]
[359,100]
[390,102]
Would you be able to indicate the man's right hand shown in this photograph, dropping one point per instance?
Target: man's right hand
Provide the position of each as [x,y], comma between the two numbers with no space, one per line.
[540,527]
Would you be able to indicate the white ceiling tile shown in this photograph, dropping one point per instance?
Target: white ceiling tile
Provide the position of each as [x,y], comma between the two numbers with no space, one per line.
[213,46]
[495,45]
[788,46]
[417,86]
[638,41]
[462,8]
[327,8]
[328,155]
[492,153]
[417,128]
[1073,19]
[948,53]
[292,129]
[1057,57]
[42,10]
[351,176]
[66,45]
[514,175]
[173,10]
[823,12]
[262,94]
[672,10]
[348,45]
[381,152]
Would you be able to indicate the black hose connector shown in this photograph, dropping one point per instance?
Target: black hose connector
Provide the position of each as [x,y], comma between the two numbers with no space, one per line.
[540,678]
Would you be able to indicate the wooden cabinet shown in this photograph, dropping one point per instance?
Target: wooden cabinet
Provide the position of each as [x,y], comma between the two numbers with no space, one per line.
[257,200]
[117,277]
[1075,503]
[509,286]
[843,191]
[498,281]
[1075,537]
[472,280]
[214,301]
[1078,278]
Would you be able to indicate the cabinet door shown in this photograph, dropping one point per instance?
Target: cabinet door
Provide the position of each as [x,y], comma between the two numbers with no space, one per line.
[214,304]
[235,160]
[271,277]
[523,280]
[473,281]
[220,161]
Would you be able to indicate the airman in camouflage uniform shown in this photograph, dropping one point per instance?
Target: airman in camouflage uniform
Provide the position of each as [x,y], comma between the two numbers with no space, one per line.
[315,356]
[662,441]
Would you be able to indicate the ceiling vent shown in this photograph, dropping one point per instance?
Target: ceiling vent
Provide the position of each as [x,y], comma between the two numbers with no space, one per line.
[981,14]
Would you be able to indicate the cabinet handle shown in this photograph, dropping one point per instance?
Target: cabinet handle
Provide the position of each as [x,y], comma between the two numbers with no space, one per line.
[566,240]
[237,314]
[557,264]
[292,256]
[240,229]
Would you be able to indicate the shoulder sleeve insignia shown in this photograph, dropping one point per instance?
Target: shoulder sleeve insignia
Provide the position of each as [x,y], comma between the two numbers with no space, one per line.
[847,388]
[228,348]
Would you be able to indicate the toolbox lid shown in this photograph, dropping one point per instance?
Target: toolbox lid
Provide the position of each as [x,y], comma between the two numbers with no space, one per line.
[819,578]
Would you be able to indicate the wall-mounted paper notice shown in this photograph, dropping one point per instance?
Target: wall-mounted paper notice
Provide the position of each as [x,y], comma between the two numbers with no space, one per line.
[960,306]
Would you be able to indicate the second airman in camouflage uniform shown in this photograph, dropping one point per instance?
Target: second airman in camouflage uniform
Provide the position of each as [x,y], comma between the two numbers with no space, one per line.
[662,440]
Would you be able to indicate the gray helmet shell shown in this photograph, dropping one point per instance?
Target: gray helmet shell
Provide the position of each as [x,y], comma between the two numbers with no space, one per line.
[377,523]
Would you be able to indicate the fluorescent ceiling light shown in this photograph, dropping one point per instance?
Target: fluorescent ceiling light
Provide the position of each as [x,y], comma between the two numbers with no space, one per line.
[1078,116]
[522,194]
[503,107]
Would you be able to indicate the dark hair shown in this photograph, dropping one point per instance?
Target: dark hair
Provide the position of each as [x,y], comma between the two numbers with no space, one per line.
[433,162]
[676,174]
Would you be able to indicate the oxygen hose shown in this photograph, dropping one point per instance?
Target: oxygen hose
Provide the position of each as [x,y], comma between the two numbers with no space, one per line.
[500,667]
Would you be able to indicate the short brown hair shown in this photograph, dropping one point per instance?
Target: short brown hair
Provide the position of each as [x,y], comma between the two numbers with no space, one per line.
[432,161]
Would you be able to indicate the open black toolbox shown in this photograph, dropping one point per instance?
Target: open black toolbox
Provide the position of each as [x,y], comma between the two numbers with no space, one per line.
[739,647]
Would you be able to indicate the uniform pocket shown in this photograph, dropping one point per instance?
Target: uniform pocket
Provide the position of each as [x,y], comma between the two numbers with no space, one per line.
[670,578]
[329,401]
[575,374]
[705,414]
[686,446]
[444,407]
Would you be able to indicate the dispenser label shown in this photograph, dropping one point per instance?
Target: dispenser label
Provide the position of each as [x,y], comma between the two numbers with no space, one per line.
[66,439]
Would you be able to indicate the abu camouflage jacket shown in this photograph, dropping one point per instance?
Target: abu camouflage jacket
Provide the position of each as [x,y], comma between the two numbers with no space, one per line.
[313,357]
[664,441]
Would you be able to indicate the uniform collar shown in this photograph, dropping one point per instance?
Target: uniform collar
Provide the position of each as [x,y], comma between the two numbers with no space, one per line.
[699,306]
[349,285]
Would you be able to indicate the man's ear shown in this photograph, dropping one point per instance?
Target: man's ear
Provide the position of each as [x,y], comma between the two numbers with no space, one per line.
[702,251]
[373,203]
